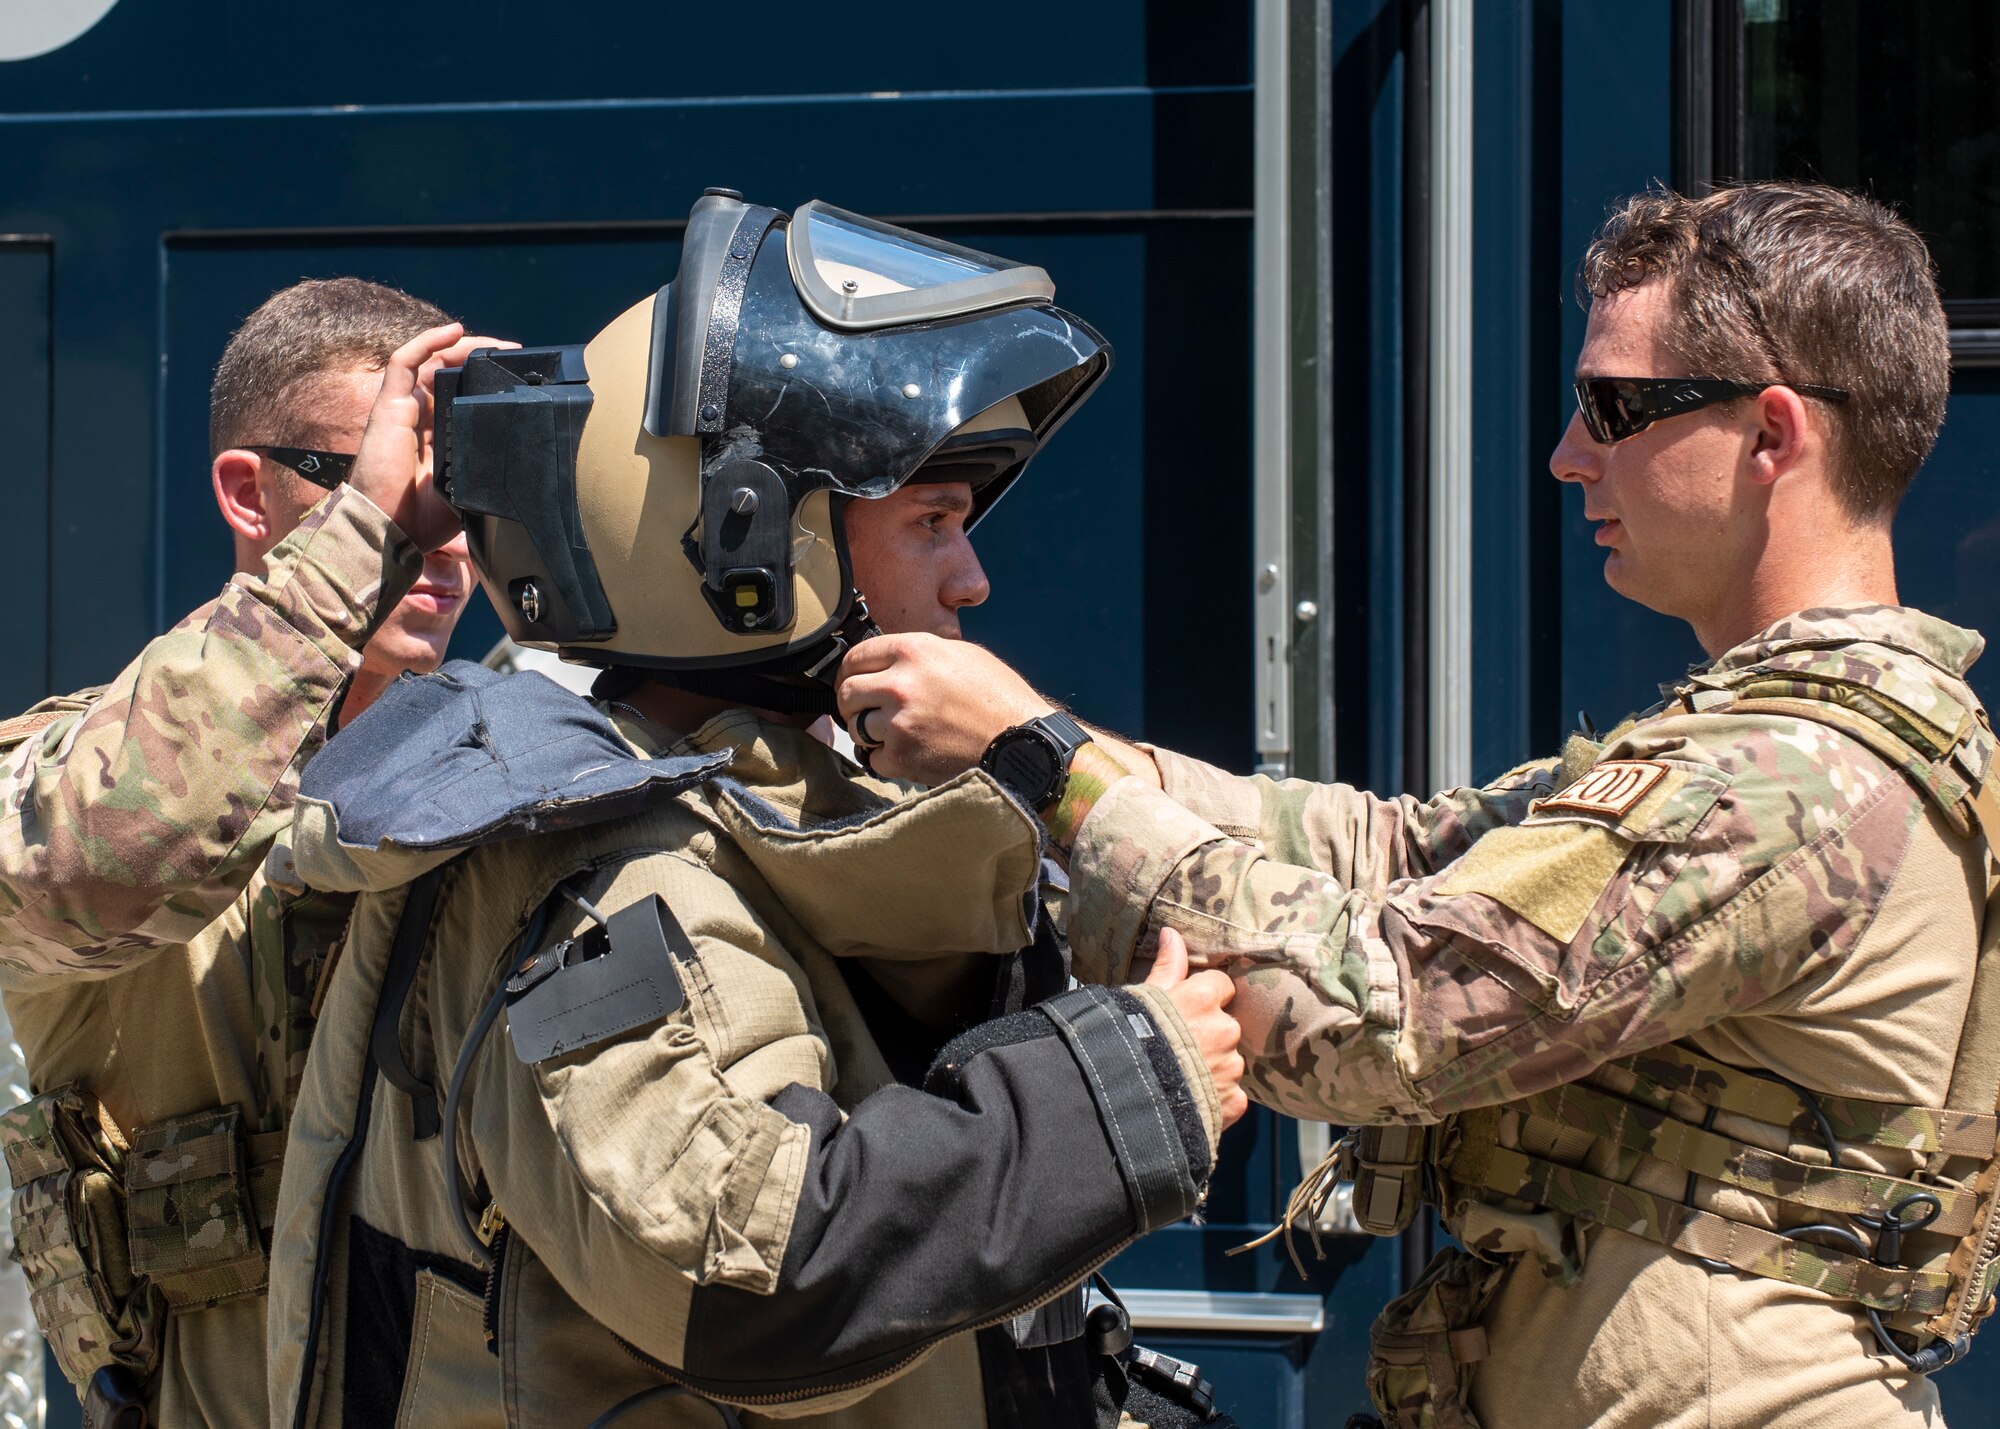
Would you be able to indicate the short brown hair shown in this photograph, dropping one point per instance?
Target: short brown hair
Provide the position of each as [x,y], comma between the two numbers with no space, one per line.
[1796,282]
[295,337]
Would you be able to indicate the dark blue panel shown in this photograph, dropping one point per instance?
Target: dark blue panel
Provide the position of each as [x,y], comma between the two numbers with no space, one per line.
[1258,1379]
[63,1411]
[105,190]
[1948,532]
[101,498]
[1358,1274]
[1616,139]
[1367,364]
[1516,353]
[236,54]
[25,374]
[1260,1374]
[627,162]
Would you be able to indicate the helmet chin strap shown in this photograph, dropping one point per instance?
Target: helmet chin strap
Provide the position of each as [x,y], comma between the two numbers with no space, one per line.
[805,688]
[748,689]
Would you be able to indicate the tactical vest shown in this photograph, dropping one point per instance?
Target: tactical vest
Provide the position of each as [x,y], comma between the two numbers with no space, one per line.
[116,1227]
[1919,1257]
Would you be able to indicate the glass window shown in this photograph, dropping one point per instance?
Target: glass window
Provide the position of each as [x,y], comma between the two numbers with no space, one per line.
[1901,101]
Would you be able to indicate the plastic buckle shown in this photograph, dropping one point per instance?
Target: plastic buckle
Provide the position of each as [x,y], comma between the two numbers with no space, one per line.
[858,626]
[1178,1380]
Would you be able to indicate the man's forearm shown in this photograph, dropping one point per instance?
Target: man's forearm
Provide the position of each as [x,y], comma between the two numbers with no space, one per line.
[133,822]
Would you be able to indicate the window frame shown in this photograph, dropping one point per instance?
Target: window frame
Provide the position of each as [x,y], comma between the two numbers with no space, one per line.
[1709,38]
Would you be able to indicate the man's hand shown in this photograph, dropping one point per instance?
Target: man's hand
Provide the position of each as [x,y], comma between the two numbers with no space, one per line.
[1200,1000]
[389,469]
[931,704]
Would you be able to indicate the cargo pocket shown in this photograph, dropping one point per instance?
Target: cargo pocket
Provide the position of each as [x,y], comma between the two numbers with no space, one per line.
[69,1239]
[1427,1342]
[190,1222]
[453,1379]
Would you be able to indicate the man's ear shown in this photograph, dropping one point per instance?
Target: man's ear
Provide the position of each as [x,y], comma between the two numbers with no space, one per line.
[1782,433]
[241,496]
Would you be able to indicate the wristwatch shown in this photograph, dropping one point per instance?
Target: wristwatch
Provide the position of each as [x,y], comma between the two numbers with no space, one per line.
[1032,760]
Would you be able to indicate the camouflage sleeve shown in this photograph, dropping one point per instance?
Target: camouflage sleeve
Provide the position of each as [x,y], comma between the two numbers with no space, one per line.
[1362,841]
[1712,863]
[136,816]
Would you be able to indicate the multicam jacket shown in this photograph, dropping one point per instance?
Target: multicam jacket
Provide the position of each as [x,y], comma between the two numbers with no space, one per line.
[156,958]
[1760,890]
[718,1180]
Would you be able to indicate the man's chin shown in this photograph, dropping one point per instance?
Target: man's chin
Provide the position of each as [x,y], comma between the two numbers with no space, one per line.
[399,650]
[943,630]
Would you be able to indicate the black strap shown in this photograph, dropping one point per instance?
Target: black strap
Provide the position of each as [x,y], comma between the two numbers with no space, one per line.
[1033,975]
[1135,1110]
[764,687]
[754,691]
[329,1212]
[385,1043]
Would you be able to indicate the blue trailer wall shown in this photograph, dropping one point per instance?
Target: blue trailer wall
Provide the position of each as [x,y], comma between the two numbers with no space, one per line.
[527,167]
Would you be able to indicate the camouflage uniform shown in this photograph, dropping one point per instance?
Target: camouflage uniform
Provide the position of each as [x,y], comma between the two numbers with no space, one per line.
[159,965]
[1557,974]
[655,1186]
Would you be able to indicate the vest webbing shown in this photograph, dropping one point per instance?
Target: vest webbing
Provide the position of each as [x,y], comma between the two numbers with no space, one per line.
[24,727]
[1626,1106]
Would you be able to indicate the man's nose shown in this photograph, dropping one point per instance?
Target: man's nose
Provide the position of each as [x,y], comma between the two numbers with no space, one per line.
[453,550]
[1577,456]
[967,584]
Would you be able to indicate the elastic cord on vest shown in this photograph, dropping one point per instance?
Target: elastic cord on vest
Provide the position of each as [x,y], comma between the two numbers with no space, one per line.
[531,939]
[661,1391]
[1889,1228]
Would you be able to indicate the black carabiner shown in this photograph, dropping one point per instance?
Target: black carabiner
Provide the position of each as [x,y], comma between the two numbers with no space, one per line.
[1925,1361]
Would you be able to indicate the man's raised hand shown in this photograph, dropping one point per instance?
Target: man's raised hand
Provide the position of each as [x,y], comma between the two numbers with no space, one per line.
[927,707]
[390,469]
[1200,1000]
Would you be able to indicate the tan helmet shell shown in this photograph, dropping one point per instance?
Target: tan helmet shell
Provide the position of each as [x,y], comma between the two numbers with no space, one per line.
[639,494]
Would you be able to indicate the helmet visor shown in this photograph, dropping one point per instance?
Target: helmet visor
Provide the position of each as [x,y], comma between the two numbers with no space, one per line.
[855,272]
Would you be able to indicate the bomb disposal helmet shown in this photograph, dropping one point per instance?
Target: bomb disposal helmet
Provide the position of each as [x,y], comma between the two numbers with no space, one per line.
[669,494]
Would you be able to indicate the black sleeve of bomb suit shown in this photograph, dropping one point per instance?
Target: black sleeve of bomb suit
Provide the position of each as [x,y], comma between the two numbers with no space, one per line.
[1041,1144]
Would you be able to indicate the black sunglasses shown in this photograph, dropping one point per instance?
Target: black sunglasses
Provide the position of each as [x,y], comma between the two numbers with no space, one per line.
[1615,408]
[326,469]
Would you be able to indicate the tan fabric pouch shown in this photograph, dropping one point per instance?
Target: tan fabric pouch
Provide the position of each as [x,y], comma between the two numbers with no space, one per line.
[69,1235]
[190,1222]
[1388,1166]
[1425,1344]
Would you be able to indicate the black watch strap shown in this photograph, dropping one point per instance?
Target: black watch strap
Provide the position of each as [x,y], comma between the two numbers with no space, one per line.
[1032,760]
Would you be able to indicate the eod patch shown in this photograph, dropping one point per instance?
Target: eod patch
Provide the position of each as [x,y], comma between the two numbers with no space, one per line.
[1611,788]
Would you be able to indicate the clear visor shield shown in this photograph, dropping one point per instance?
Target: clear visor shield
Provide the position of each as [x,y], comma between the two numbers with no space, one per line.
[854,272]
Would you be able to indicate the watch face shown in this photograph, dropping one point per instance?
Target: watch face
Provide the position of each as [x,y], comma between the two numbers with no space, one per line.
[1027,765]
